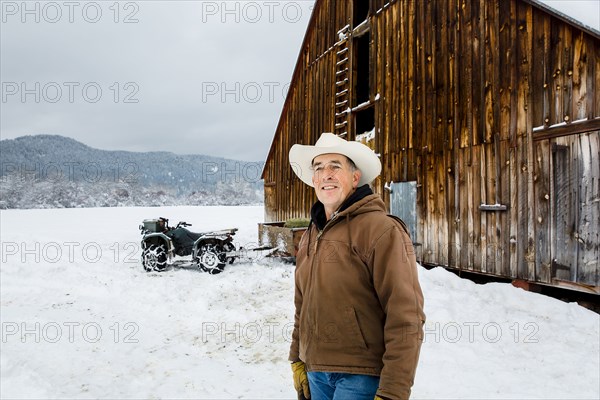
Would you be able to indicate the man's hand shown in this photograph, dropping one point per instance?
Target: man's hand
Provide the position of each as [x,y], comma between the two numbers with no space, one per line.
[300,380]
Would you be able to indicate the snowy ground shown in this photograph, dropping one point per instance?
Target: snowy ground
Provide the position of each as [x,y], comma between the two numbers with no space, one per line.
[81,319]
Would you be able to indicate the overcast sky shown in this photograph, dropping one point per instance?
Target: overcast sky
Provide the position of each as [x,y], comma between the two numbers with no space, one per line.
[203,77]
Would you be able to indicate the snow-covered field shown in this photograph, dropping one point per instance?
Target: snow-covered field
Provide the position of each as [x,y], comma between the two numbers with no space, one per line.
[81,319]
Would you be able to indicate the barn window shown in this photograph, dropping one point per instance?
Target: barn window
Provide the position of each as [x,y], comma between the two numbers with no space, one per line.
[362,73]
[364,125]
[360,11]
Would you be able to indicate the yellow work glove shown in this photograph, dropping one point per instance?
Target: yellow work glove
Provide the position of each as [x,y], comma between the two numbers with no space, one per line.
[300,380]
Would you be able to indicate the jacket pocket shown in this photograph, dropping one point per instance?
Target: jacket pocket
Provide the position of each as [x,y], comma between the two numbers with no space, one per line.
[355,333]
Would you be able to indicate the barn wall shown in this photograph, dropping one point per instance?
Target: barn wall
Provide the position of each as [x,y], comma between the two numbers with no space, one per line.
[308,111]
[481,103]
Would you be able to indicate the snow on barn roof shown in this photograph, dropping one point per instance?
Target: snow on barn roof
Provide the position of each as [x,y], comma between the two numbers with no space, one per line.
[581,13]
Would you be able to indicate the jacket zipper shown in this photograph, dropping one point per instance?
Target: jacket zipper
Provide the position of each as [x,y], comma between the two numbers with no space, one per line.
[312,270]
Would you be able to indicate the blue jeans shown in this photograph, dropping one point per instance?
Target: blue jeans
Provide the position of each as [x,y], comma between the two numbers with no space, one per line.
[342,386]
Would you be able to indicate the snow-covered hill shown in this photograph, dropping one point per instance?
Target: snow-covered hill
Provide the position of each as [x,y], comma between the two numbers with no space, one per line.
[51,171]
[80,319]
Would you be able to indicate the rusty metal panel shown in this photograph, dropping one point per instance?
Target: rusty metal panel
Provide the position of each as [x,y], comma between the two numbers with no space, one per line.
[403,204]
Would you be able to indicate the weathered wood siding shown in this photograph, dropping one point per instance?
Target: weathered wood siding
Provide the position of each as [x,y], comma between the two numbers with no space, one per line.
[480,102]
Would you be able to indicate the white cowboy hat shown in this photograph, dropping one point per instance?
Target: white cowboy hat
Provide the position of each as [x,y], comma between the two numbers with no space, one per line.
[301,157]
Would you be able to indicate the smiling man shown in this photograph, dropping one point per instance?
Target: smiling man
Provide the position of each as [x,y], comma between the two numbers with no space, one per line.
[331,182]
[359,307]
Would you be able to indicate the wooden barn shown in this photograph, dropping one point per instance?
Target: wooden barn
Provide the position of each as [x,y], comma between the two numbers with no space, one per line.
[486,117]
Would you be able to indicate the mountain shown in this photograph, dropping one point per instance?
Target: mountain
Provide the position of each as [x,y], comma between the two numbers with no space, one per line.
[51,171]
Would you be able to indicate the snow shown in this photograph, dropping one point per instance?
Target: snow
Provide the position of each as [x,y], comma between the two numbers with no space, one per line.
[367,136]
[81,319]
[361,105]
[343,33]
[542,127]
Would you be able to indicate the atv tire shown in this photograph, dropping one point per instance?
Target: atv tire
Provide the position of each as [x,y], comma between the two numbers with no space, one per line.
[211,258]
[154,258]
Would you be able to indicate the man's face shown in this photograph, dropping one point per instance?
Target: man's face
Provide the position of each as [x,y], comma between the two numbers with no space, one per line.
[334,179]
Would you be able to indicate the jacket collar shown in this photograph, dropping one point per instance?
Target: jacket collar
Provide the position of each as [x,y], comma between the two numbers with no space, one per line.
[317,212]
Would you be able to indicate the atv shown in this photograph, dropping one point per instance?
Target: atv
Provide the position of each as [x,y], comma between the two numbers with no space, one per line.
[209,251]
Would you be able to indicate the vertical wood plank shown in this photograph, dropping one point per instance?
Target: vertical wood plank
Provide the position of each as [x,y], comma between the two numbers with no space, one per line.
[390,81]
[537,63]
[473,225]
[490,218]
[541,180]
[420,74]
[524,128]
[451,217]
[503,219]
[557,74]
[441,215]
[567,89]
[411,57]
[595,55]
[477,71]
[546,90]
[579,78]
[396,133]
[466,84]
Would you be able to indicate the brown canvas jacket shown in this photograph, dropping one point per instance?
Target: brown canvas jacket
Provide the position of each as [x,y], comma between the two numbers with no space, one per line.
[359,306]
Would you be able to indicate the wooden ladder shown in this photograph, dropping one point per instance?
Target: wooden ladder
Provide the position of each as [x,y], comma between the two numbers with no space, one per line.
[342,82]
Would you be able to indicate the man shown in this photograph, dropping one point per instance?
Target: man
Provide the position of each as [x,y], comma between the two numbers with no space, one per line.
[359,307]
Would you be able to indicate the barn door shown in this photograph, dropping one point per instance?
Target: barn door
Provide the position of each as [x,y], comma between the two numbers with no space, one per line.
[576,219]
[403,204]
